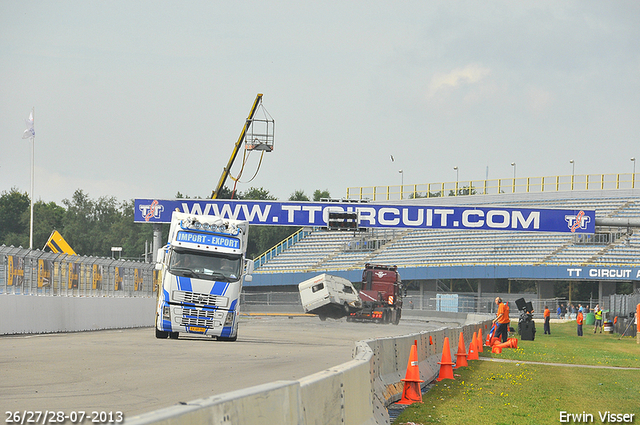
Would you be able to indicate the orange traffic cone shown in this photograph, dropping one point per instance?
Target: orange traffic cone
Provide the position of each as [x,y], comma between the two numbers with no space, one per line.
[510,343]
[461,355]
[411,393]
[446,365]
[496,349]
[473,351]
[480,342]
[494,341]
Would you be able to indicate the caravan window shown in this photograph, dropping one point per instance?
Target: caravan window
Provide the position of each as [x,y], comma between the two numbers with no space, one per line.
[318,287]
[347,289]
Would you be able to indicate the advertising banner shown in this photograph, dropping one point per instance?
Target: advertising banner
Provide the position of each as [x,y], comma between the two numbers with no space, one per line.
[15,270]
[118,279]
[137,280]
[97,276]
[74,275]
[315,214]
[44,272]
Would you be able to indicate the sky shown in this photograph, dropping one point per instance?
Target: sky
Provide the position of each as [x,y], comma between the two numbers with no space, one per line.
[146,99]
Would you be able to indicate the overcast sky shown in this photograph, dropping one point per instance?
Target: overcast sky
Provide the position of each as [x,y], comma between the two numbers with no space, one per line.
[142,99]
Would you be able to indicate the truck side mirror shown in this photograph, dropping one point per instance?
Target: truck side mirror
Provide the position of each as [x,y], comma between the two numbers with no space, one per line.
[248,266]
[248,270]
[160,256]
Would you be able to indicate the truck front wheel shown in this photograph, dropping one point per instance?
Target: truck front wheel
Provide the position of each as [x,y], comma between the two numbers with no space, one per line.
[228,338]
[160,334]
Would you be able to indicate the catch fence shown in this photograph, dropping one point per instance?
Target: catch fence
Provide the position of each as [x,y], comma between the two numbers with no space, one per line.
[34,272]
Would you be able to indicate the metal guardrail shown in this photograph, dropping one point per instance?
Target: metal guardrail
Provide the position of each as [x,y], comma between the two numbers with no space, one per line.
[495,186]
[34,272]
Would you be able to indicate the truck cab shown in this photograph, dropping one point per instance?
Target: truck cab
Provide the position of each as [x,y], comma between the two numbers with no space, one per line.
[202,269]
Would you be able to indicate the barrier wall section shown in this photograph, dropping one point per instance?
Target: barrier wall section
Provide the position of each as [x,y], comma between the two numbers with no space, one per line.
[354,393]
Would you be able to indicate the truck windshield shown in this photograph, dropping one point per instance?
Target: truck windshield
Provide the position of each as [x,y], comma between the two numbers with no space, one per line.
[201,265]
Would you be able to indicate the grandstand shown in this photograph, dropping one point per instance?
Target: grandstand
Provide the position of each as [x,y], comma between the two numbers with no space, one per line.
[432,254]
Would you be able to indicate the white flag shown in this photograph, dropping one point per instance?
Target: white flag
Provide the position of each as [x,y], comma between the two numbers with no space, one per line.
[29,132]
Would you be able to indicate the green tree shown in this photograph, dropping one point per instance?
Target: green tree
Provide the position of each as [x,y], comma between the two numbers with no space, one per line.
[15,215]
[47,217]
[78,223]
[298,195]
[320,194]
[255,193]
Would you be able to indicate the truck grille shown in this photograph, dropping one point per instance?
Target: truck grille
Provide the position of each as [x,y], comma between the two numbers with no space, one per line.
[195,317]
[202,299]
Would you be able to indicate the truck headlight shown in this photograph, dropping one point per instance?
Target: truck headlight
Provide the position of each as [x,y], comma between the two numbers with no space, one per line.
[229,319]
[165,312]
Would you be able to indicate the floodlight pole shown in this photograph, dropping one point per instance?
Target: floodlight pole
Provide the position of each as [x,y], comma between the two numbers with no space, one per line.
[33,138]
[457,179]
[573,171]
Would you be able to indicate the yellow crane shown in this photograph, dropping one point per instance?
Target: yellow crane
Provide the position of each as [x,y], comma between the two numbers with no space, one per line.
[255,144]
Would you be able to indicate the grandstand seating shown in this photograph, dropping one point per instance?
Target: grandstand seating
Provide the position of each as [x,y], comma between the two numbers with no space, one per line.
[333,250]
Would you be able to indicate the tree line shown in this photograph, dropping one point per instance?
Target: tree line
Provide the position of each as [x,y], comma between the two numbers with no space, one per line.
[93,226]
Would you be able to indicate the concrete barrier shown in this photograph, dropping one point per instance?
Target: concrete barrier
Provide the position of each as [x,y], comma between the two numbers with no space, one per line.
[44,314]
[356,392]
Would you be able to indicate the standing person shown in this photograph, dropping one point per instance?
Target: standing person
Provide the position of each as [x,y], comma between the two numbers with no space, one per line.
[502,319]
[579,321]
[598,314]
[559,311]
[547,319]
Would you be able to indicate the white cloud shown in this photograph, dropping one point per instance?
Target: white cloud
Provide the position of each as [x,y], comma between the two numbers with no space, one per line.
[470,74]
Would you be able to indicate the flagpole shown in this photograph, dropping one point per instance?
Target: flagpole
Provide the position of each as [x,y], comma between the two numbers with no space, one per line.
[33,137]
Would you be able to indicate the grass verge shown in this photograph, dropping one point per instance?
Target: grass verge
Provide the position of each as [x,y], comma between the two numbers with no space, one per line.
[521,393]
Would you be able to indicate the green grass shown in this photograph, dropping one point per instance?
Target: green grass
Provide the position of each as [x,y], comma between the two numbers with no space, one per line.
[520,393]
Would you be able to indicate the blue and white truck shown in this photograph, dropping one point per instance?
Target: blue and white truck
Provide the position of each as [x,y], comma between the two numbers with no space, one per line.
[202,269]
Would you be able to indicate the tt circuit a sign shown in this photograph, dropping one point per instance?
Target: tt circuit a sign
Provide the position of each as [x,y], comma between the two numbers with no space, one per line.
[604,273]
[315,214]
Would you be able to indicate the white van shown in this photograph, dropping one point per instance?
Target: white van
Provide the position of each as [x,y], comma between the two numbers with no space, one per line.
[329,296]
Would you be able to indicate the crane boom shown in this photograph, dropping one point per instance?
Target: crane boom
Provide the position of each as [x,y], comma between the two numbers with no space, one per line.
[227,169]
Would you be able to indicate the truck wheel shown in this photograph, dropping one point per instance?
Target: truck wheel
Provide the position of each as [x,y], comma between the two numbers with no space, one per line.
[161,334]
[173,335]
[228,338]
[398,314]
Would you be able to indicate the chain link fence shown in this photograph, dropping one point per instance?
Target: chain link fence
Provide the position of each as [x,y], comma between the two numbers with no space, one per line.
[623,307]
[34,272]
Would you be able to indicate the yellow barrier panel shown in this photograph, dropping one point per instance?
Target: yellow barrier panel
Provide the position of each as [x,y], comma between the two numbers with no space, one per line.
[57,244]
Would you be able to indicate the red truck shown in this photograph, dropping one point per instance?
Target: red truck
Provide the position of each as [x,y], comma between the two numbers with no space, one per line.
[381,295]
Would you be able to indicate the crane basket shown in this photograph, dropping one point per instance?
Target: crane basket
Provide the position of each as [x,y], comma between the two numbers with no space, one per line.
[260,132]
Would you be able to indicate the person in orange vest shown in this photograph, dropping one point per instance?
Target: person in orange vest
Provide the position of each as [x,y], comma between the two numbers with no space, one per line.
[502,319]
[579,321]
[547,318]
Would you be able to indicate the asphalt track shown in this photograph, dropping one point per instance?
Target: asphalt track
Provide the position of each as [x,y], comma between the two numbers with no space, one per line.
[133,372]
